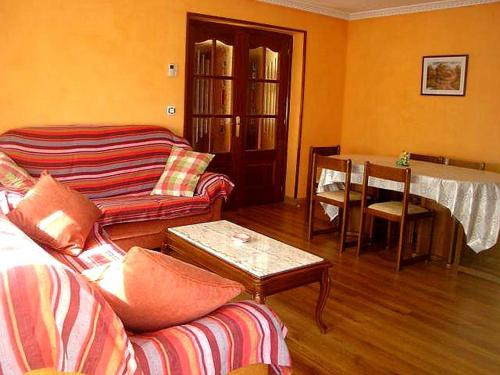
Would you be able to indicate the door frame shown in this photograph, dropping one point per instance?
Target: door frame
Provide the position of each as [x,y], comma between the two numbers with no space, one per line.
[265,27]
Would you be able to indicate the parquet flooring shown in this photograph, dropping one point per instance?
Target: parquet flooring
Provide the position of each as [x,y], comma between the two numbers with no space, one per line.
[424,320]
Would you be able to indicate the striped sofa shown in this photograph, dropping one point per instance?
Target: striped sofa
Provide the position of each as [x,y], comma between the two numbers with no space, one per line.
[117,167]
[51,318]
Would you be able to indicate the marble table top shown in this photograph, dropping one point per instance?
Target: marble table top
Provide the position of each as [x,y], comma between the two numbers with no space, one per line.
[261,256]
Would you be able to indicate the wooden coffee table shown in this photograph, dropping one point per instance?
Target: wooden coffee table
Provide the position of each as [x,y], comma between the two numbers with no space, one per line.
[263,265]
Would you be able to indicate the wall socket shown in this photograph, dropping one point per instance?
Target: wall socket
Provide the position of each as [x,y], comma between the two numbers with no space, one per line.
[171,110]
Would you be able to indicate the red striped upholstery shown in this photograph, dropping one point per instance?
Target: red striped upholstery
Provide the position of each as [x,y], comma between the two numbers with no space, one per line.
[116,166]
[99,250]
[149,207]
[214,185]
[236,335]
[99,161]
[51,317]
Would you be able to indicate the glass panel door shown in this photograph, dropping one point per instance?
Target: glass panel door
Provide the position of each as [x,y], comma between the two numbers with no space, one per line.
[262,99]
[236,105]
[212,95]
[264,119]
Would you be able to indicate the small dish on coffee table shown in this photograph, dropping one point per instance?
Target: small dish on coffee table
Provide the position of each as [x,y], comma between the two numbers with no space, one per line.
[240,237]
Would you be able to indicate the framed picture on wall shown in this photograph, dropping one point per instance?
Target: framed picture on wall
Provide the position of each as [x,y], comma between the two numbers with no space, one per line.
[444,75]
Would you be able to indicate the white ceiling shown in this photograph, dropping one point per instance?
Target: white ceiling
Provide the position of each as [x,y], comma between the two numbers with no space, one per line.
[351,6]
[357,9]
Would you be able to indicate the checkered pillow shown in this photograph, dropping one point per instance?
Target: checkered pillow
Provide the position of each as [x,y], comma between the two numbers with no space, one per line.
[182,172]
[13,177]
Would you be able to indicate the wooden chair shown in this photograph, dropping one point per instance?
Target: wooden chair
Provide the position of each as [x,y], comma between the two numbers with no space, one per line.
[400,212]
[454,229]
[427,158]
[317,150]
[341,198]
[465,164]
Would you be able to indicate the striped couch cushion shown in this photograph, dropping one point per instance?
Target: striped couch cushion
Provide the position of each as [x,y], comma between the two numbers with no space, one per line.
[150,207]
[99,161]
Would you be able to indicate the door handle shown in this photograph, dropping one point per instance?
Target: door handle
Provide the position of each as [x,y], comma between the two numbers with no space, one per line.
[238,124]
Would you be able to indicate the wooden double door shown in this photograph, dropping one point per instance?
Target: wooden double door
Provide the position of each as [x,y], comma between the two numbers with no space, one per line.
[237,99]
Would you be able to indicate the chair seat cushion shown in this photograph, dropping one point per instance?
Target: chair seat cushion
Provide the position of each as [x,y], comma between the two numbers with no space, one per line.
[396,208]
[339,195]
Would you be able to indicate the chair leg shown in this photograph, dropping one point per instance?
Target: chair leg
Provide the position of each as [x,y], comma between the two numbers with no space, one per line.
[453,244]
[389,235]
[343,229]
[360,234]
[311,220]
[412,239]
[416,236]
[370,229]
[401,242]
[429,252]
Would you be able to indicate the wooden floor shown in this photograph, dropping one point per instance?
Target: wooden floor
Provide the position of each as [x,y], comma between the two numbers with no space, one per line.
[424,320]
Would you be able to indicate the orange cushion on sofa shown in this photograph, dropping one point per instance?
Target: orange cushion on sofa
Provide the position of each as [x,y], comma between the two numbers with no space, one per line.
[150,291]
[56,215]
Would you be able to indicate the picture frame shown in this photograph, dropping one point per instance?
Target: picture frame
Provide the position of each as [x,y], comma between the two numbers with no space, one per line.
[444,75]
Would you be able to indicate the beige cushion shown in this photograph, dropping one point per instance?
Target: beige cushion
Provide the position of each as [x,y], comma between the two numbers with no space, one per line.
[339,195]
[396,208]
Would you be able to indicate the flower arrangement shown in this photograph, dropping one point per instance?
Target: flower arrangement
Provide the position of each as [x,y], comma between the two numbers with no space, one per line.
[404,159]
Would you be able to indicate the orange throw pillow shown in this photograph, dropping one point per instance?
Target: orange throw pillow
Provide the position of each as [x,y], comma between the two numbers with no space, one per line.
[150,291]
[56,215]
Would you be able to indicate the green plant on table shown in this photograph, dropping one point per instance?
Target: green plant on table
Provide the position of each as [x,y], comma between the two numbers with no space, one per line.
[404,159]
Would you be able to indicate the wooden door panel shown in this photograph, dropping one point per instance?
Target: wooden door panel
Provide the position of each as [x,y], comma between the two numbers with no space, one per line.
[210,80]
[259,176]
[237,82]
[265,118]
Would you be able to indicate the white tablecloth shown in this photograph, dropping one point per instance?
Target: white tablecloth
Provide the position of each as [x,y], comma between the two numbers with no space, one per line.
[472,196]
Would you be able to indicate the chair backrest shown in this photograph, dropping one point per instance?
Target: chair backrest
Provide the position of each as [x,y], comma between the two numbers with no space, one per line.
[387,173]
[465,164]
[327,162]
[341,165]
[318,150]
[402,175]
[427,158]
[324,150]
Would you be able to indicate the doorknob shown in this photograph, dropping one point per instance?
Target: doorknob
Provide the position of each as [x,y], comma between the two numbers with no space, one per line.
[238,124]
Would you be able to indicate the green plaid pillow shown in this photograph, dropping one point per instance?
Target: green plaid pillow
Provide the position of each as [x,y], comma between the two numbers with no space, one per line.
[182,172]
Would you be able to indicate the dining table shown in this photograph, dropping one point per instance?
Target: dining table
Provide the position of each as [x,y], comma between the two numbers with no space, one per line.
[472,196]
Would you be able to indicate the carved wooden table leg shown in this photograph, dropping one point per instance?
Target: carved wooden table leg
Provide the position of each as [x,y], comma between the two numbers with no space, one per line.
[324,291]
[165,249]
[259,298]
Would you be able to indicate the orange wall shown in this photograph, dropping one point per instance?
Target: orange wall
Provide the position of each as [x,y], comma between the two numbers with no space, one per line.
[384,112]
[105,62]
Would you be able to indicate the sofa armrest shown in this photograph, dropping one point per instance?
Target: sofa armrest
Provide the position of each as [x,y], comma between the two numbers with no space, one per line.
[214,186]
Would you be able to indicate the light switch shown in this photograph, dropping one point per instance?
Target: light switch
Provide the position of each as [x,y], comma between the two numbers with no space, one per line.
[172,70]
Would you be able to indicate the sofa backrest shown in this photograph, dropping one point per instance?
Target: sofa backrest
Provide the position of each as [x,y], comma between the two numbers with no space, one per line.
[99,161]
